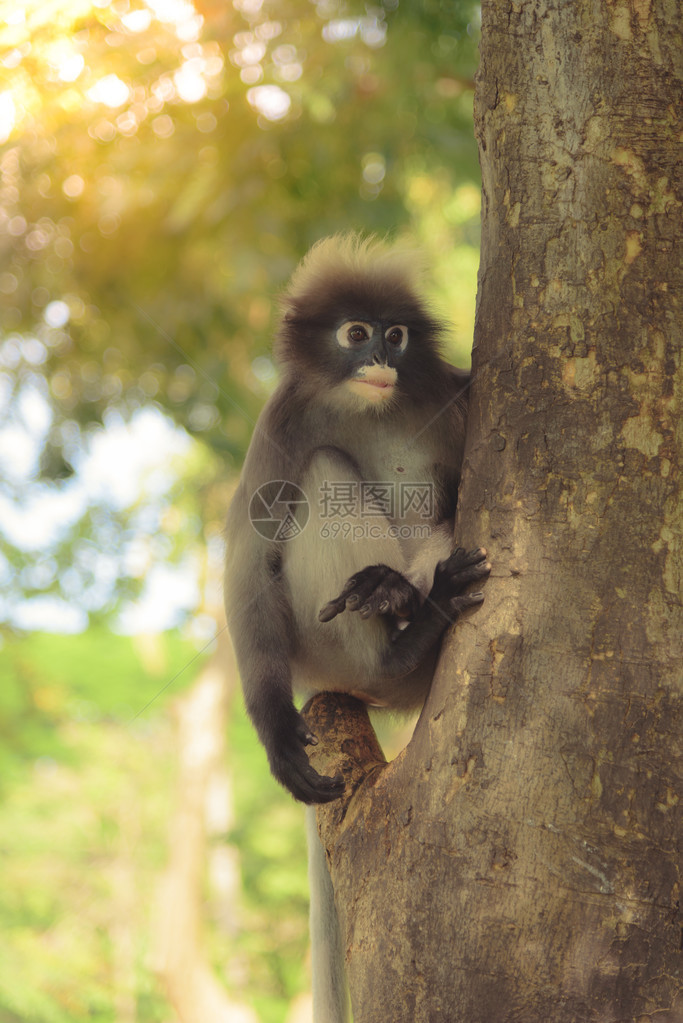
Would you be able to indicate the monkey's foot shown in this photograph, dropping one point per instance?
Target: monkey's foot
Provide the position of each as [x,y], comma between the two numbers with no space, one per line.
[452,576]
[374,590]
[291,766]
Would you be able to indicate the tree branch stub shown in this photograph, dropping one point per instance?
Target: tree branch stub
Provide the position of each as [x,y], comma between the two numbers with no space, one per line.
[347,743]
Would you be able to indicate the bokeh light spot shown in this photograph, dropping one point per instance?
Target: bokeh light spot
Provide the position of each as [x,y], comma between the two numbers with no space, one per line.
[56,313]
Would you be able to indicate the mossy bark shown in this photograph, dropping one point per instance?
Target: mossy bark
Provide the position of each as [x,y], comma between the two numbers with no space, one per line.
[520,861]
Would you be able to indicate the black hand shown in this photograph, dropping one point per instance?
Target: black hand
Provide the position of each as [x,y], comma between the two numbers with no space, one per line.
[376,589]
[452,576]
[290,764]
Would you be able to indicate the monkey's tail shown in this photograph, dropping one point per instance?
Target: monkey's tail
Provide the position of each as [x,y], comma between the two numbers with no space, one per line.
[330,999]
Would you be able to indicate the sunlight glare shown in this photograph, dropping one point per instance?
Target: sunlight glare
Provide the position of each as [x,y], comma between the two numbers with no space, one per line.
[189,81]
[183,15]
[372,31]
[172,10]
[110,91]
[137,21]
[374,168]
[57,314]
[271,101]
[70,67]
[16,16]
[8,115]
[250,8]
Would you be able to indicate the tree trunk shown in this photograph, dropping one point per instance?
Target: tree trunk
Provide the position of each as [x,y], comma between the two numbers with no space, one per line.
[519,861]
[179,957]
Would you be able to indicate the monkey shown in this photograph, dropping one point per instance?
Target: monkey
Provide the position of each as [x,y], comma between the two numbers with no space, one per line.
[340,569]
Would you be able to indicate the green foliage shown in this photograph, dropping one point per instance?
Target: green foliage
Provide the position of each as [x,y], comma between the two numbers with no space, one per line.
[85,802]
[70,873]
[152,204]
[151,187]
[164,168]
[87,794]
[269,827]
[48,681]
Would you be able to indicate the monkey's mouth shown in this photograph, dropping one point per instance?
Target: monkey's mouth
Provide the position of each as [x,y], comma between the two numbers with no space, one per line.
[375,384]
[372,393]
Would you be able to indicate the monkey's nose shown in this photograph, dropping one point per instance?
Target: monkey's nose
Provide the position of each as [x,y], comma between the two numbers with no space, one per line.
[377,359]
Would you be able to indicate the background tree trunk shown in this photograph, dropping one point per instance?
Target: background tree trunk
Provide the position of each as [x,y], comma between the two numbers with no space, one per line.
[519,860]
[179,955]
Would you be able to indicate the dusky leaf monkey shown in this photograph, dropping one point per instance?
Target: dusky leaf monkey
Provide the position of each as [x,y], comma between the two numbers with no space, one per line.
[341,573]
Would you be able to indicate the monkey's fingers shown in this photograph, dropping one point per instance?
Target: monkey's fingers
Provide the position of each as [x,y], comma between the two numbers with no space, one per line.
[332,609]
[471,574]
[338,604]
[373,586]
[319,788]
[454,575]
[356,591]
[395,596]
[376,589]
[290,764]
[295,772]
[304,734]
[465,600]
[461,568]
[460,558]
[360,595]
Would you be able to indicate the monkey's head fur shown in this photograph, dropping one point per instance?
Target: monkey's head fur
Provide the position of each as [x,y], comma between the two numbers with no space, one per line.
[355,326]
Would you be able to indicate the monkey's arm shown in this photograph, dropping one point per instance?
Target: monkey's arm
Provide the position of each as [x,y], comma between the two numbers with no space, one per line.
[261,626]
[446,600]
[378,590]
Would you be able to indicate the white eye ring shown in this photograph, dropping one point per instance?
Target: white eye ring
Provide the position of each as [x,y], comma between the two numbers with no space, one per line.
[399,346]
[344,332]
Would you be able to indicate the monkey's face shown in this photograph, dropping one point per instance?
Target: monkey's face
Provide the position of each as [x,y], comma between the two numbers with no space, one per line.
[358,336]
[370,353]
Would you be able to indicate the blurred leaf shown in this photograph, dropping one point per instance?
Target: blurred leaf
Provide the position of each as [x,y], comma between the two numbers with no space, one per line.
[154,196]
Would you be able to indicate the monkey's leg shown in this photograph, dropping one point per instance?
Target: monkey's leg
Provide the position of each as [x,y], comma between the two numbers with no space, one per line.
[446,600]
[262,627]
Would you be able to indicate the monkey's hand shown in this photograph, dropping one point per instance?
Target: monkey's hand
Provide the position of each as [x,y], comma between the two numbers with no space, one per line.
[291,767]
[446,601]
[453,575]
[374,590]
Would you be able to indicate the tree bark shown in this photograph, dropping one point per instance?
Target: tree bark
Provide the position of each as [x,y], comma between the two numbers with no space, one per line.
[520,860]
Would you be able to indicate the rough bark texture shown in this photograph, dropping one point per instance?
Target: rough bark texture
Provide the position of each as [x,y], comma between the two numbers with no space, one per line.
[520,860]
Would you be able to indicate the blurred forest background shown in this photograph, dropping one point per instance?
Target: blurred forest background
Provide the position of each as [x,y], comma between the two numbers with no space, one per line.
[164,165]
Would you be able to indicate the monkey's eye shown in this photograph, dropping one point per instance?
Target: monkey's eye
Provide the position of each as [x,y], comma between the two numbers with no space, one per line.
[350,334]
[397,336]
